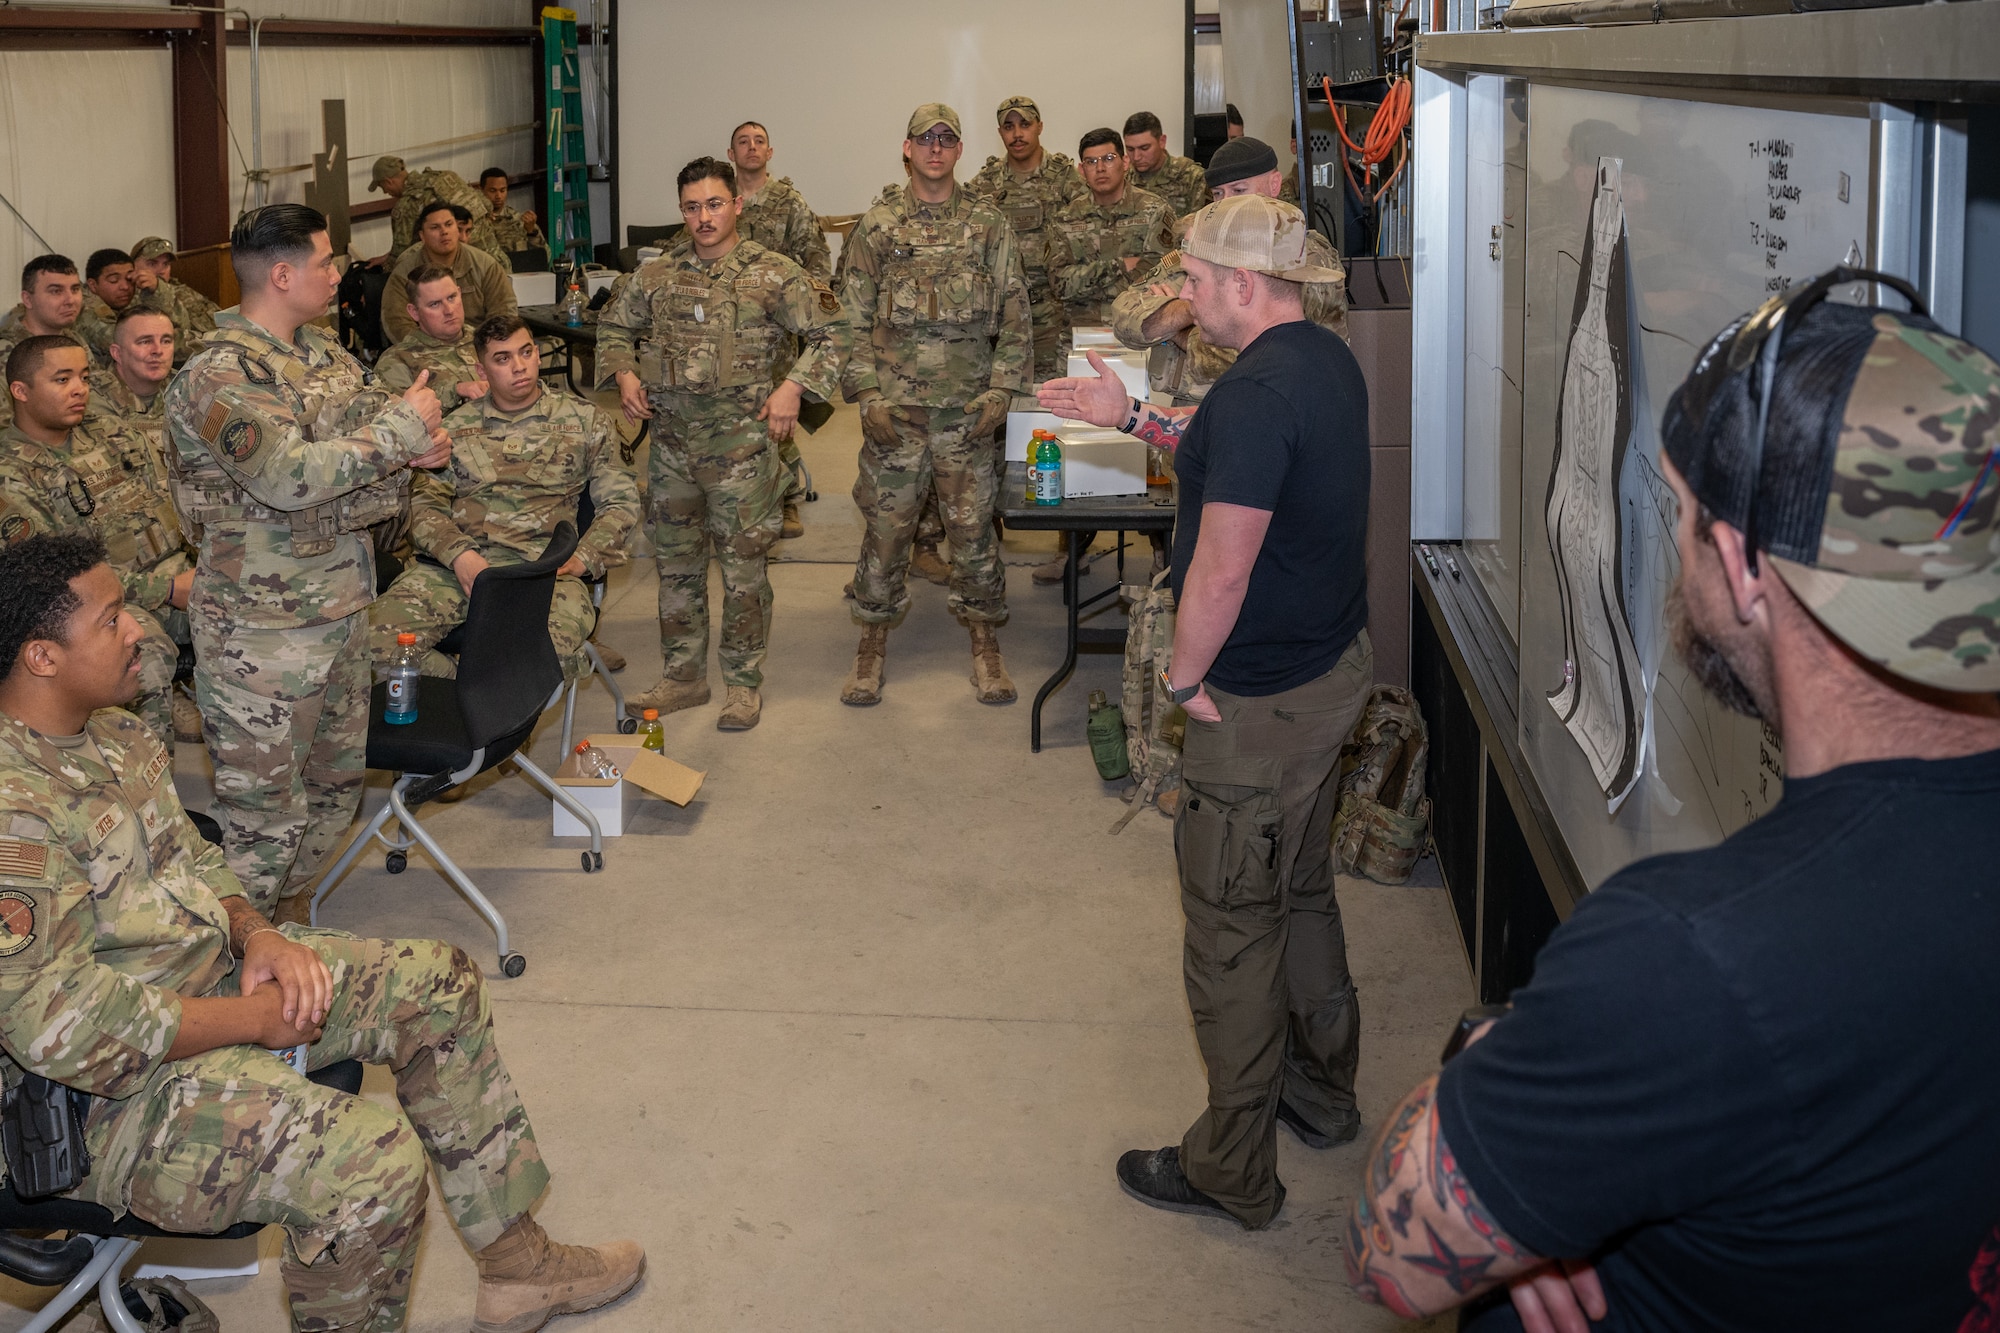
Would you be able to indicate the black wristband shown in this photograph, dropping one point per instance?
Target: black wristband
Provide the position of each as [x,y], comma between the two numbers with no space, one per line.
[1132,422]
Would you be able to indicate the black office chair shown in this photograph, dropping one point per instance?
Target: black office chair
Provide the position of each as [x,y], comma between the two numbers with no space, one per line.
[534,259]
[98,1245]
[507,674]
[662,236]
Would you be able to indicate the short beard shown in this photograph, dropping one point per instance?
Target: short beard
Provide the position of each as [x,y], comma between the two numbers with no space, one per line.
[1706,662]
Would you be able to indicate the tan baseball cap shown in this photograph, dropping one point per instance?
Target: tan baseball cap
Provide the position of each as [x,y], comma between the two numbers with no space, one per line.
[1025,105]
[152,247]
[385,168]
[1253,232]
[932,114]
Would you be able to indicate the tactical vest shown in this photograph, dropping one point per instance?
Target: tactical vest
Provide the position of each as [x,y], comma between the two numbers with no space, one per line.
[703,341]
[327,404]
[108,484]
[1382,823]
[1155,726]
[934,276]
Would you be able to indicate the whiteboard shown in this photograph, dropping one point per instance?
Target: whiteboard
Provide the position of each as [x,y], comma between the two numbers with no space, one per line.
[836,83]
[1652,223]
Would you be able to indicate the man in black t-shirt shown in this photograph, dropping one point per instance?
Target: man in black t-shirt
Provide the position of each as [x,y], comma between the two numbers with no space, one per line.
[1757,1087]
[1272,663]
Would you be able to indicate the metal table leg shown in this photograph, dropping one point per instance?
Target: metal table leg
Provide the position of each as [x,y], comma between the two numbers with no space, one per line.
[1073,609]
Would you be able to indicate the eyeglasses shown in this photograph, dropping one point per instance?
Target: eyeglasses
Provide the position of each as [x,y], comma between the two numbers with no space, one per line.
[1758,338]
[694,208]
[1104,161]
[944,139]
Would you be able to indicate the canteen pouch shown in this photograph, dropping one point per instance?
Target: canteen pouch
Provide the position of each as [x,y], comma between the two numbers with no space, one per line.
[41,1134]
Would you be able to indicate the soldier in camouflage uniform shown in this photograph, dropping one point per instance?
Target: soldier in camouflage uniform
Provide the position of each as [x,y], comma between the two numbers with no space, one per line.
[521,457]
[134,969]
[412,191]
[154,288]
[108,278]
[441,343]
[701,340]
[281,457]
[1151,312]
[51,300]
[935,282]
[62,474]
[484,285]
[1102,239]
[131,387]
[507,231]
[777,217]
[1030,186]
[1178,180]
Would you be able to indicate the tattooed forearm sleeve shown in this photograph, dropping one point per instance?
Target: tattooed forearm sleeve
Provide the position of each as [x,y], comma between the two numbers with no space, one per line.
[1418,1239]
[1159,426]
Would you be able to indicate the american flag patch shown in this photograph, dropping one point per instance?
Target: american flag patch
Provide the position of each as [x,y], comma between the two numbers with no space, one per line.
[212,424]
[23,860]
[155,768]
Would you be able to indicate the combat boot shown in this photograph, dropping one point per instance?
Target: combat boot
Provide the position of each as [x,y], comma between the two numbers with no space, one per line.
[926,562]
[990,681]
[187,719]
[740,710]
[526,1279]
[1052,572]
[864,683]
[794,525]
[612,658]
[293,911]
[669,696]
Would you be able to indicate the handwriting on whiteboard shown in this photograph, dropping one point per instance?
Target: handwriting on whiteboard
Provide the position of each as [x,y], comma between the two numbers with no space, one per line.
[1781,194]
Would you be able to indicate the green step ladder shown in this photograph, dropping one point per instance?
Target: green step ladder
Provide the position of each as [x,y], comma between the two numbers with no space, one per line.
[568,172]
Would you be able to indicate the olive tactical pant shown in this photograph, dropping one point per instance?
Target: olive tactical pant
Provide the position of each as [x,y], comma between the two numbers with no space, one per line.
[236,1135]
[1265,960]
[285,715]
[721,490]
[933,447]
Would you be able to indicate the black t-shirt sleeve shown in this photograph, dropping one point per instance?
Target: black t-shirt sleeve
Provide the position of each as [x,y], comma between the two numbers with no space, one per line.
[1251,435]
[1627,1084]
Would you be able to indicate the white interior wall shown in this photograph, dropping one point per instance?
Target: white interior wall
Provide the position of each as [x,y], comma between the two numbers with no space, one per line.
[86,153]
[1257,69]
[836,83]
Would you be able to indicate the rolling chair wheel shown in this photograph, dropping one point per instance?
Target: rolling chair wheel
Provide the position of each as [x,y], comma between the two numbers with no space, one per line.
[627,725]
[587,866]
[811,496]
[513,965]
[396,862]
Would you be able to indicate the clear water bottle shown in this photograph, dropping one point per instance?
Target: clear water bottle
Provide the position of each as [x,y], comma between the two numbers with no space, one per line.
[403,676]
[1048,473]
[573,305]
[651,734]
[592,762]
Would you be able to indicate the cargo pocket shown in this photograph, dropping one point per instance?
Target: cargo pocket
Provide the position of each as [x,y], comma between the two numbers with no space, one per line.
[1228,831]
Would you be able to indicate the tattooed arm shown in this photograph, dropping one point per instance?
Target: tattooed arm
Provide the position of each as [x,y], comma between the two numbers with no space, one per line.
[1418,1239]
[1104,402]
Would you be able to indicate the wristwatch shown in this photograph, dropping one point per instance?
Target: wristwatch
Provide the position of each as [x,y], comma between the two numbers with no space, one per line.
[1178,696]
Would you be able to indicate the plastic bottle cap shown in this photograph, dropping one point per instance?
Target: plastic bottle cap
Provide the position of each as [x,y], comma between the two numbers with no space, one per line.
[406,639]
[651,714]
[581,746]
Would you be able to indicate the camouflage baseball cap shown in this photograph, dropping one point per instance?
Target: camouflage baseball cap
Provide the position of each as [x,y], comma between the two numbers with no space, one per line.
[1025,105]
[385,168]
[152,247]
[1253,232]
[932,114]
[1876,498]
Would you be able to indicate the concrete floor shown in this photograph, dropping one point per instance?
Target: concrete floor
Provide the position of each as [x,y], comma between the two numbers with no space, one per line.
[853,1041]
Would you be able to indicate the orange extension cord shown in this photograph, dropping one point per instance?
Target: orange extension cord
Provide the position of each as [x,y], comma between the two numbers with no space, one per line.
[1385,134]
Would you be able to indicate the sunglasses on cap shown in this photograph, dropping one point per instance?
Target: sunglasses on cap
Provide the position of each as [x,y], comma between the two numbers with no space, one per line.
[1753,343]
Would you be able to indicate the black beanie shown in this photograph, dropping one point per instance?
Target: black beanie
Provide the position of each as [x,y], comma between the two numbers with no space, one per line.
[1240,159]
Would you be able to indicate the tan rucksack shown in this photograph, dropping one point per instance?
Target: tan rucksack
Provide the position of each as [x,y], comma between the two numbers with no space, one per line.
[1383,820]
[1154,725]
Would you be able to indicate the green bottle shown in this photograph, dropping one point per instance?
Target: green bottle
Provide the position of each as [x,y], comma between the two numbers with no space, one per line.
[1106,730]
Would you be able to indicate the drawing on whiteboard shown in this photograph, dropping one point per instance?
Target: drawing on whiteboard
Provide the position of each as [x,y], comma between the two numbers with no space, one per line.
[1599,696]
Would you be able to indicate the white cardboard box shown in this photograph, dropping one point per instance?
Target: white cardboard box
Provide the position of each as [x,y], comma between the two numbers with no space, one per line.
[612,800]
[1101,462]
[1024,421]
[1099,336]
[1128,365]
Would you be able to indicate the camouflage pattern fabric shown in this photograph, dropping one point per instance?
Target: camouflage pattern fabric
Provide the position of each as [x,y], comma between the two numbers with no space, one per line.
[1097,239]
[507,232]
[103,481]
[1178,180]
[934,448]
[114,406]
[94,328]
[281,457]
[1382,823]
[419,188]
[112,909]
[1031,204]
[1186,372]
[1155,726]
[709,340]
[193,314]
[483,286]
[13,328]
[1288,191]
[450,364]
[777,217]
[513,477]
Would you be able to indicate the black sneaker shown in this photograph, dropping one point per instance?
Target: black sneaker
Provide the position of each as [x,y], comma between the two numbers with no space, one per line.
[1155,1178]
[1289,1117]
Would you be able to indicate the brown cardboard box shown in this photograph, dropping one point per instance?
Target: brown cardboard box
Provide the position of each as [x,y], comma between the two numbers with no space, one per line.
[611,800]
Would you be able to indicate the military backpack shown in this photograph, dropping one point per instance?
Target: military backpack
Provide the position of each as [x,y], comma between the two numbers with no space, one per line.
[1383,818]
[1155,725]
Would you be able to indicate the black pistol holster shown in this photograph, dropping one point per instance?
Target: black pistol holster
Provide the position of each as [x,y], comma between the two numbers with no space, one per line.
[41,1133]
